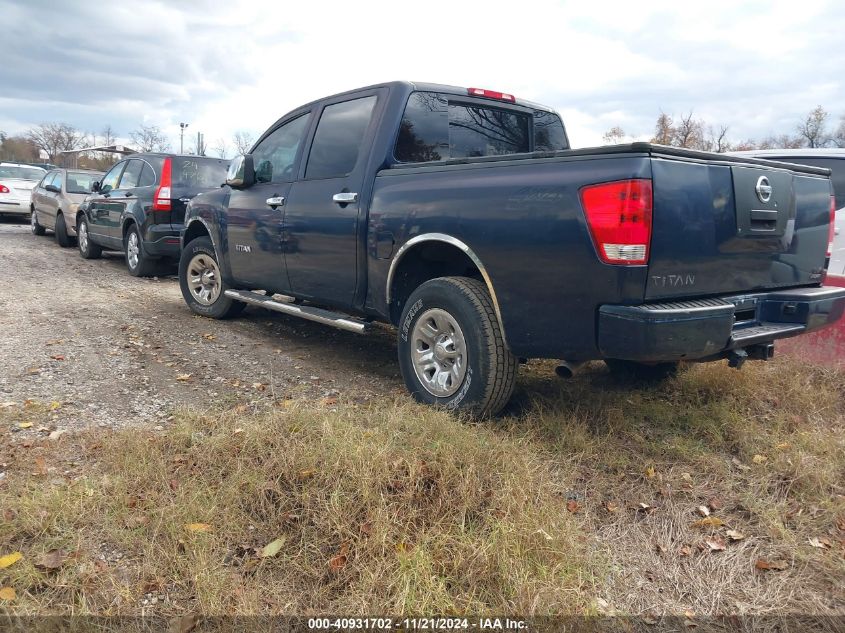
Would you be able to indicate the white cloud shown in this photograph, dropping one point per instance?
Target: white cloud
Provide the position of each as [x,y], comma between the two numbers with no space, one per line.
[756,66]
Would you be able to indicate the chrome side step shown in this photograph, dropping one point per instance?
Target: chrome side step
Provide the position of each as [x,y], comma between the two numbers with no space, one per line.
[326,317]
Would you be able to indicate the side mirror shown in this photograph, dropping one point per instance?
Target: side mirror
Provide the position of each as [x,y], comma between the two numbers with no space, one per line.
[95,186]
[53,188]
[241,172]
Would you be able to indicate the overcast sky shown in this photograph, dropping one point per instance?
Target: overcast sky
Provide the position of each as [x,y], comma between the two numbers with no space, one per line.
[239,65]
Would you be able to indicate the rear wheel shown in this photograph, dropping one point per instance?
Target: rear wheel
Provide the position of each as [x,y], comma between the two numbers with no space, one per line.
[451,350]
[34,225]
[87,248]
[640,371]
[137,261]
[202,283]
[62,238]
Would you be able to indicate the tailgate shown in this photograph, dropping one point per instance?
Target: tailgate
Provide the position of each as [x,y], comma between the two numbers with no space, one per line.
[724,225]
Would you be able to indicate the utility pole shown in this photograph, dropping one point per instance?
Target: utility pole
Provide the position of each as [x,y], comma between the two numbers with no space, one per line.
[182,127]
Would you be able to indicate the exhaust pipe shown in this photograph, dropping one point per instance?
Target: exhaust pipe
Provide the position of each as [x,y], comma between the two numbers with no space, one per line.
[566,369]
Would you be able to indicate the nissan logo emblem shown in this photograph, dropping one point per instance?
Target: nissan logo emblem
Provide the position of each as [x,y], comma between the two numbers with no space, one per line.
[763,189]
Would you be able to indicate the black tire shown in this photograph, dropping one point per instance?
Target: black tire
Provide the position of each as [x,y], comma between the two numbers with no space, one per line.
[144,265]
[490,368]
[87,248]
[222,307]
[633,370]
[34,224]
[62,238]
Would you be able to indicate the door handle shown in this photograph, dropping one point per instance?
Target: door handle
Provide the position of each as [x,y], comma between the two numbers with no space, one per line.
[276,201]
[345,197]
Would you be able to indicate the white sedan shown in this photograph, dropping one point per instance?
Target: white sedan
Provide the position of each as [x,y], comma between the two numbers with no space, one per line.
[16,184]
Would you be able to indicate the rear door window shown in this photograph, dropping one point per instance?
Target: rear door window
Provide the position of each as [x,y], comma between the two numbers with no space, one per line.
[148,177]
[338,139]
[437,127]
[129,179]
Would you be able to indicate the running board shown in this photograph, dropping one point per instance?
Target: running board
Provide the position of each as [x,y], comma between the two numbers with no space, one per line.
[326,317]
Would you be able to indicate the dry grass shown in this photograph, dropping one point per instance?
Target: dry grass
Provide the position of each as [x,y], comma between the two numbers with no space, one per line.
[400,509]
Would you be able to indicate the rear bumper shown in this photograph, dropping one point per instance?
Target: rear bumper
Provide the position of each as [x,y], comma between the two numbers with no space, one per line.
[162,240]
[707,328]
[14,206]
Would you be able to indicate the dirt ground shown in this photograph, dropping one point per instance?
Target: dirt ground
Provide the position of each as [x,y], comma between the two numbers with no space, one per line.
[115,350]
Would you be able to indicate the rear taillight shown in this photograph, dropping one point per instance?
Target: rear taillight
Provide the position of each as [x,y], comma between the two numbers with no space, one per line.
[619,217]
[161,199]
[491,94]
[832,230]
[4,189]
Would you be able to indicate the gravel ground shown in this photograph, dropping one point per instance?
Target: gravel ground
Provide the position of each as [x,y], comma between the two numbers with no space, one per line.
[115,351]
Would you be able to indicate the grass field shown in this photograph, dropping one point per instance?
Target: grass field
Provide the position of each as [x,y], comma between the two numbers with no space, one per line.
[716,492]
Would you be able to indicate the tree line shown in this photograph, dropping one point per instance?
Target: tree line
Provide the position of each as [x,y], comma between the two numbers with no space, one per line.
[815,130]
[52,139]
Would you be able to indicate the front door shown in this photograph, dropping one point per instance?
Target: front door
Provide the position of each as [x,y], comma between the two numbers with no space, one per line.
[321,237]
[256,215]
[100,225]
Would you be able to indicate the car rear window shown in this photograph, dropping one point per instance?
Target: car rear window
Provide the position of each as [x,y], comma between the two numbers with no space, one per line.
[200,173]
[22,173]
[80,182]
[437,127]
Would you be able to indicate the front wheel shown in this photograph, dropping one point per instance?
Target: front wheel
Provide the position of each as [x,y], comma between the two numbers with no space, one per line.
[451,349]
[87,248]
[34,224]
[202,284]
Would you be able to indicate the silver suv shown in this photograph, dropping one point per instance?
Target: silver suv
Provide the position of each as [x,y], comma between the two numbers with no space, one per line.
[55,200]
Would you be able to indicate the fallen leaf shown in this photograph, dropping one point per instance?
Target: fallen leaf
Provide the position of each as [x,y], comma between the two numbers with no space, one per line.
[759,459]
[10,559]
[241,408]
[338,561]
[572,506]
[272,548]
[6,405]
[820,542]
[184,624]
[260,386]
[9,514]
[198,527]
[610,506]
[704,511]
[734,535]
[659,548]
[237,431]
[55,341]
[56,434]
[715,544]
[650,472]
[714,503]
[209,337]
[644,507]
[366,528]
[775,565]
[183,377]
[739,464]
[41,465]
[57,357]
[329,402]
[174,484]
[782,446]
[7,593]
[55,405]
[52,559]
[309,472]
[708,522]
[840,523]
[650,619]
[686,477]
[24,425]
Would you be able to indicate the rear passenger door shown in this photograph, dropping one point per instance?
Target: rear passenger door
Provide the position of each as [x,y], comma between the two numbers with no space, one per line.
[323,215]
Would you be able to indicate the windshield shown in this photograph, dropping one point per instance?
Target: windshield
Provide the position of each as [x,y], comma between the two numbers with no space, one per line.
[199,172]
[22,173]
[80,182]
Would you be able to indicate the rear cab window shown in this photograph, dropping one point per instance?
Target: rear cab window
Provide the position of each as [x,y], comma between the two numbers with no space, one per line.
[439,126]
[197,172]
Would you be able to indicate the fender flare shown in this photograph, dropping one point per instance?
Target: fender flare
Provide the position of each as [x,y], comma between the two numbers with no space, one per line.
[452,241]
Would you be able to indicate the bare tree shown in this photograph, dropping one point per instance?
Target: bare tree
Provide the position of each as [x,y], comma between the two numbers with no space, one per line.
[614,135]
[664,130]
[221,148]
[107,135]
[55,138]
[243,142]
[839,135]
[813,129]
[781,141]
[149,138]
[689,132]
[17,148]
[718,140]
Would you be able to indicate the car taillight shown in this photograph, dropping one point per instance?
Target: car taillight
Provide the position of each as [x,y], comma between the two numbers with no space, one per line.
[4,189]
[161,199]
[619,218]
[491,94]
[832,230]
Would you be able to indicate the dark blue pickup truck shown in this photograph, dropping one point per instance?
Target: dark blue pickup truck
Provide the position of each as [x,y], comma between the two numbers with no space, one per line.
[462,217]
